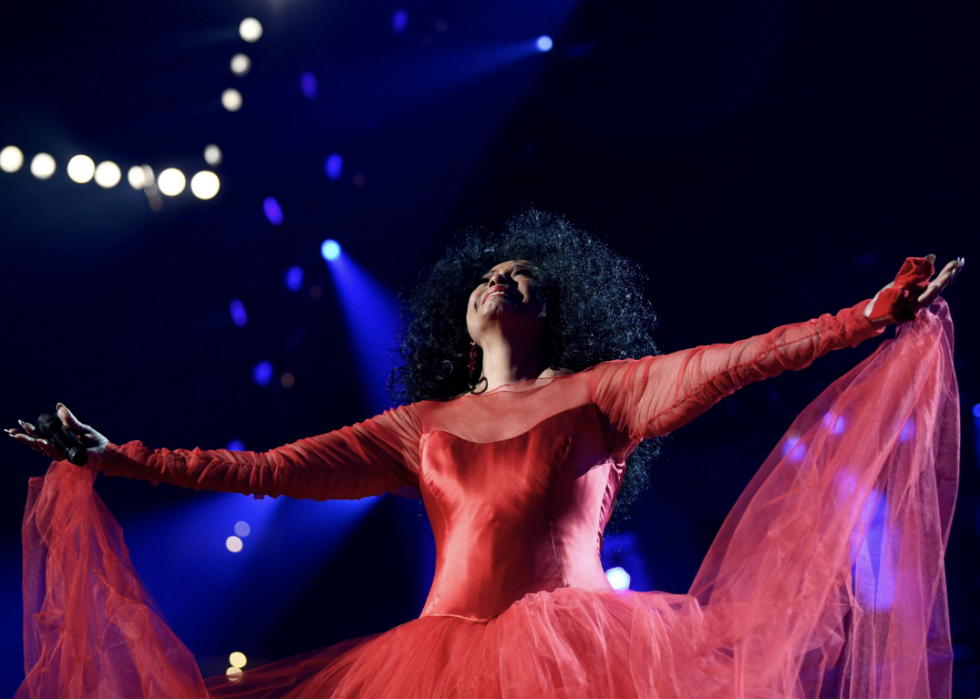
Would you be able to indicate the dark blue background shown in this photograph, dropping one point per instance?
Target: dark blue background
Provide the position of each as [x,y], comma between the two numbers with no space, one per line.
[764,163]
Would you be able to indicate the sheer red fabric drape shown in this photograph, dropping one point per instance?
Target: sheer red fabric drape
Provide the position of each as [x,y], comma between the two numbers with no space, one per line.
[825,580]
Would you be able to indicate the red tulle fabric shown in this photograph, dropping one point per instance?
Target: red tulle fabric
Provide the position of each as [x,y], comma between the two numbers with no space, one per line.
[825,580]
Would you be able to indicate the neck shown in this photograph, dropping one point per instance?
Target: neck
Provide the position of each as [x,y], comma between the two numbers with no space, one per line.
[505,363]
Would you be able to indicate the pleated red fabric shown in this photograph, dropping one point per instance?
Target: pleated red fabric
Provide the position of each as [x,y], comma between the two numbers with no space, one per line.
[825,580]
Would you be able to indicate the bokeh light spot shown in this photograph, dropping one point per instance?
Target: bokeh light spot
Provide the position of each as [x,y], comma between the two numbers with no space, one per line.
[330,249]
[544,43]
[212,154]
[233,544]
[238,315]
[231,99]
[241,64]
[287,380]
[262,373]
[234,673]
[236,445]
[333,166]
[976,410]
[205,184]
[237,659]
[242,529]
[81,168]
[307,83]
[42,166]
[399,21]
[171,182]
[316,293]
[618,578]
[11,159]
[272,210]
[107,174]
[135,177]
[359,180]
[294,278]
[250,30]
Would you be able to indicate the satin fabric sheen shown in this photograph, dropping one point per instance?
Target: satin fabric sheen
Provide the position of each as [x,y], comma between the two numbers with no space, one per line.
[826,579]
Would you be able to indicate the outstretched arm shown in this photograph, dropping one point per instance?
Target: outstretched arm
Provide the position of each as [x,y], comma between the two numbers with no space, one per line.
[372,457]
[652,396]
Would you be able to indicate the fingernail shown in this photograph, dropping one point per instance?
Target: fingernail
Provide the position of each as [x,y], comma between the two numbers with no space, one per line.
[20,422]
[60,405]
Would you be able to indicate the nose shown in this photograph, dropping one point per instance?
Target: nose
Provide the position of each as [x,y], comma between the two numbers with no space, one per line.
[496,278]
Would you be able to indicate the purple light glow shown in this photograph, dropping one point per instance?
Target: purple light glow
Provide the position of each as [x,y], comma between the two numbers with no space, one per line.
[238,315]
[908,430]
[272,210]
[399,21]
[307,83]
[834,422]
[262,373]
[333,166]
[294,278]
[236,445]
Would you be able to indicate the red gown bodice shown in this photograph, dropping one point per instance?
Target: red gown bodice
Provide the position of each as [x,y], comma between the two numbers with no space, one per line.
[518,482]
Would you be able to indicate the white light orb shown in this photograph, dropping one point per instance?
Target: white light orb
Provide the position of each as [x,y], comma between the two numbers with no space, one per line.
[242,529]
[231,99]
[233,544]
[107,174]
[135,177]
[241,64]
[234,673]
[237,659]
[204,184]
[11,159]
[250,29]
[618,578]
[42,166]
[212,155]
[171,182]
[81,168]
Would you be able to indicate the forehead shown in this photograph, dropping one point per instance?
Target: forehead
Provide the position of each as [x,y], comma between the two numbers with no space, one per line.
[508,265]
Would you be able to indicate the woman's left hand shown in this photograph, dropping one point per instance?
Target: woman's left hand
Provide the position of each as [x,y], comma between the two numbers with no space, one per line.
[916,300]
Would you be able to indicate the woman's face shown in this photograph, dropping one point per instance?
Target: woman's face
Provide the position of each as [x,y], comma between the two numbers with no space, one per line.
[508,298]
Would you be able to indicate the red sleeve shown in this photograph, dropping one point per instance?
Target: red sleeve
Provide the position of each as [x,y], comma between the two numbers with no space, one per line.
[649,397]
[370,458]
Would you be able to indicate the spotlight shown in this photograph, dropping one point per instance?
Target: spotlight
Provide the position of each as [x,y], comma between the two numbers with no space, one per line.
[294,278]
[205,184]
[233,544]
[212,155]
[262,373]
[42,166]
[242,529]
[237,659]
[11,159]
[330,249]
[171,182]
[399,21]
[236,445]
[107,174]
[333,166]
[81,168]
[238,316]
[273,211]
[250,29]
[544,43]
[136,177]
[618,578]
[231,99]
[241,64]
[307,83]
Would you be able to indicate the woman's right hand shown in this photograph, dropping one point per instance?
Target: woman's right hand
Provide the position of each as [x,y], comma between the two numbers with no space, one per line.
[95,442]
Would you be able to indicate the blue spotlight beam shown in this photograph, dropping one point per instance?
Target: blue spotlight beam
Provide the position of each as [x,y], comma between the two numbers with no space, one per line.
[372,318]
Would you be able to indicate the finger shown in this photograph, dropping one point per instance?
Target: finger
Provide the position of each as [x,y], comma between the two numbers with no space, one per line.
[29,429]
[40,445]
[938,284]
[70,420]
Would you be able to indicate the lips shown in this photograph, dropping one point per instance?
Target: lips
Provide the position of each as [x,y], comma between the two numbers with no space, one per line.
[497,291]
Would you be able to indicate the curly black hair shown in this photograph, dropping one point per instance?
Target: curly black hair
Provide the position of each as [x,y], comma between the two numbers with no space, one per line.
[581,329]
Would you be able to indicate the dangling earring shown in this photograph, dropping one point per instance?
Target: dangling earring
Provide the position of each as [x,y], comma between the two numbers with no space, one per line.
[472,362]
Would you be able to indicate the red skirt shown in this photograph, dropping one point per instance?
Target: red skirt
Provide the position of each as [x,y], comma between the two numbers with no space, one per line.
[825,580]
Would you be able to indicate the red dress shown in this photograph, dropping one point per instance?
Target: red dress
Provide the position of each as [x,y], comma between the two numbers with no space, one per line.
[826,579]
